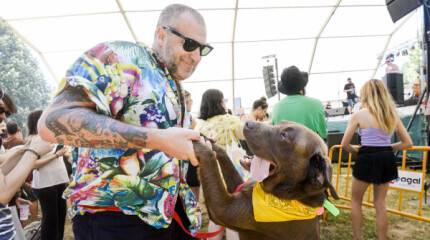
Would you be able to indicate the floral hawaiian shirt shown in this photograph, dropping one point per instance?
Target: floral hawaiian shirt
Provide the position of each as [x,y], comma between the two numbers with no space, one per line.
[129,79]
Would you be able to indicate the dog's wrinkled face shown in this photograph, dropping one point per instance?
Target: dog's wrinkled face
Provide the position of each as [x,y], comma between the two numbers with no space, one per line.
[297,158]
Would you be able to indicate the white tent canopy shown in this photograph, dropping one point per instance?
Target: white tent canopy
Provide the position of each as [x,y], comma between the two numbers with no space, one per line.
[331,39]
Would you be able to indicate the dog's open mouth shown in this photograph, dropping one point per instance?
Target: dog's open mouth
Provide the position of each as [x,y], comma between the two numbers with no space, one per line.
[260,168]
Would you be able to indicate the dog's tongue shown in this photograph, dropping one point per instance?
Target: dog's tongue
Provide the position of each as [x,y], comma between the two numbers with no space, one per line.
[259,169]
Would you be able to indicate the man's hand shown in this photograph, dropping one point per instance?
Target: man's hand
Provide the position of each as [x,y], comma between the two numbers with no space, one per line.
[176,142]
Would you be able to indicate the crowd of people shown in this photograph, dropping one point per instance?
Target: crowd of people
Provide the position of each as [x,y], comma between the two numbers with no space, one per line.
[130,130]
[34,173]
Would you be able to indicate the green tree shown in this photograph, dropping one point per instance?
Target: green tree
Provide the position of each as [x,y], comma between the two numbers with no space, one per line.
[21,77]
[411,69]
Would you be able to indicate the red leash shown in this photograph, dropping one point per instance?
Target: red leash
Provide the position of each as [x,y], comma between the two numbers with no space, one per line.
[206,234]
[198,235]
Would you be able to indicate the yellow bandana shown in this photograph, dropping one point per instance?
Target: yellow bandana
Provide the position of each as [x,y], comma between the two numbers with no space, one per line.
[269,208]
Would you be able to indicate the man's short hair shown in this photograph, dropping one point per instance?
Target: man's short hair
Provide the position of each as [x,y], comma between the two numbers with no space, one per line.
[348,79]
[171,13]
[12,128]
[9,103]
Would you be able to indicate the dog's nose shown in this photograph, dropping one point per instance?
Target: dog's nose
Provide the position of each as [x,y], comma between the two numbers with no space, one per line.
[250,124]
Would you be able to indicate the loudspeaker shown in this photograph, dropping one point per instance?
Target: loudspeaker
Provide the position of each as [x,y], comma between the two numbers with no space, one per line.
[337,111]
[335,138]
[269,81]
[394,84]
[399,8]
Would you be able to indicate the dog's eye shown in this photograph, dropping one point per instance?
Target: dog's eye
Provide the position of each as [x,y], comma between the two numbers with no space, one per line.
[284,136]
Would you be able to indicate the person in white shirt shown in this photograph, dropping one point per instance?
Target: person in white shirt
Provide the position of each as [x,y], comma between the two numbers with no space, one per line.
[50,179]
[391,67]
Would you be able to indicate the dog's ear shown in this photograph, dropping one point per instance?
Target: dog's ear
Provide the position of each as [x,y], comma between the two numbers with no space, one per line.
[319,172]
[317,168]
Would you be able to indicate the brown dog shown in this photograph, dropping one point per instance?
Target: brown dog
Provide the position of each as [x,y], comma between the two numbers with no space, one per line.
[299,169]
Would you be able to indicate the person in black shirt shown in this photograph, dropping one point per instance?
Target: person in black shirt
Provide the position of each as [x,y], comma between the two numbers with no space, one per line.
[350,92]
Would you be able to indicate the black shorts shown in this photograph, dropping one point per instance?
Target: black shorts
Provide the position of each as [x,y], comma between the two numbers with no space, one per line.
[192,177]
[375,165]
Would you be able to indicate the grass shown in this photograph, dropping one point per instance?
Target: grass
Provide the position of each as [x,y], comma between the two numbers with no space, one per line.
[339,228]
[399,227]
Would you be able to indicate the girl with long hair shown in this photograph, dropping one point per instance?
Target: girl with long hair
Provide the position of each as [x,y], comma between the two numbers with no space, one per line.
[376,164]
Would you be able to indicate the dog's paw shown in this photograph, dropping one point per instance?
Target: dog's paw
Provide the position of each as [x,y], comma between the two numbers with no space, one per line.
[202,150]
[220,152]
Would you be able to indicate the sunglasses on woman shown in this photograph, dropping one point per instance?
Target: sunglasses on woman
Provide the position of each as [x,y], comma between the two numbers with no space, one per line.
[5,112]
[191,44]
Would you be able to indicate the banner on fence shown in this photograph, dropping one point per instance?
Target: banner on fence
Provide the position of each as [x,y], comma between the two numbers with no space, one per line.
[408,180]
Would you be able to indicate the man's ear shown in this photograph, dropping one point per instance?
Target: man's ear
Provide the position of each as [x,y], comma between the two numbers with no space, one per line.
[160,36]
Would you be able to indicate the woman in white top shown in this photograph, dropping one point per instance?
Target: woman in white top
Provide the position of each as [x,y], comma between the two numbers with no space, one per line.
[49,182]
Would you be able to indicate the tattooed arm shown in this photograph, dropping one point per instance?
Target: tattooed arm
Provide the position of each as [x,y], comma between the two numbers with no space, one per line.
[71,119]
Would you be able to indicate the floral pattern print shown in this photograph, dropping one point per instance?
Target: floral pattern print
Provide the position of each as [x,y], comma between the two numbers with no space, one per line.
[214,128]
[129,78]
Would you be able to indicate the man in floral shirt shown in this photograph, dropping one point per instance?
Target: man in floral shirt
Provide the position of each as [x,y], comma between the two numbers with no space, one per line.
[121,105]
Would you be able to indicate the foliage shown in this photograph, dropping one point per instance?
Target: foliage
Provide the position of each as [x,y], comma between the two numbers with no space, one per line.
[21,77]
[411,69]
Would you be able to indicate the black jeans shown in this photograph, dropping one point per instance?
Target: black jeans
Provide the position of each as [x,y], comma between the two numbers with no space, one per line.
[116,225]
[54,210]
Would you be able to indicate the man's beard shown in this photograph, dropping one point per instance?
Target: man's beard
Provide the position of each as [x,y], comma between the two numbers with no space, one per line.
[167,57]
[171,64]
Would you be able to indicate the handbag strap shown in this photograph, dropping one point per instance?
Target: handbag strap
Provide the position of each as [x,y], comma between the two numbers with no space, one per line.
[225,130]
[8,143]
[229,132]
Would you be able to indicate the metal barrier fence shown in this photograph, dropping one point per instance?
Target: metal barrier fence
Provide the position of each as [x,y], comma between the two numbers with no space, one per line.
[419,189]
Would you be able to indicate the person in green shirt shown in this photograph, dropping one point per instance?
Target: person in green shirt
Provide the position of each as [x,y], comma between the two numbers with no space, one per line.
[296,106]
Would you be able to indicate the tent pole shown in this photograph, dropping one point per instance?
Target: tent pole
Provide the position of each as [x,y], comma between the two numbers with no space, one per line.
[427,64]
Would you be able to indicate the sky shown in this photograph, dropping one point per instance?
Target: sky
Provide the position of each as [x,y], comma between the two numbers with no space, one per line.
[332,47]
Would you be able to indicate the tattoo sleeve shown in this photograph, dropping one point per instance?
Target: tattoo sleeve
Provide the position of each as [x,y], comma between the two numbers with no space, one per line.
[73,121]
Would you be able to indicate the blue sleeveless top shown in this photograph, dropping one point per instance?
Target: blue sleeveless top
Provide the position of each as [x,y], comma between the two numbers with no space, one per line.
[374,136]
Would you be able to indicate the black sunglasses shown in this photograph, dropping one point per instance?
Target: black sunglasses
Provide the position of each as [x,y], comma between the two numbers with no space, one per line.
[6,113]
[191,44]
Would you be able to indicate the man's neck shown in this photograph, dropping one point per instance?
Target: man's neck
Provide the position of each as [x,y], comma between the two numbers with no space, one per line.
[12,135]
